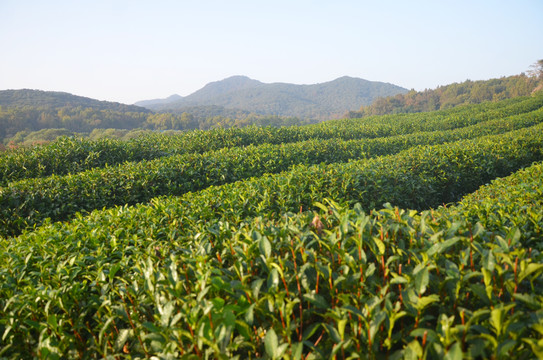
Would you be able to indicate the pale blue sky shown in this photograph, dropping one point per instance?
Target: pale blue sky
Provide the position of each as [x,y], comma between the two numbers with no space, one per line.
[126,51]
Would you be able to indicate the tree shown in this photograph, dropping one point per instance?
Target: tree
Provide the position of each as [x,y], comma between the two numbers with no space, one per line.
[536,69]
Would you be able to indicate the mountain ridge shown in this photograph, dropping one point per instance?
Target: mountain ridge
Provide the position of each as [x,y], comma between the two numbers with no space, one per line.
[169,99]
[320,101]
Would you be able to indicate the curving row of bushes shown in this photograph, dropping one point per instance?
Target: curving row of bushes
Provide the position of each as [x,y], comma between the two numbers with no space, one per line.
[333,282]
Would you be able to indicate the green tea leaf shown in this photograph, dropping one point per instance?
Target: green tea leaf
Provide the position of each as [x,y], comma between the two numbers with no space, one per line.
[317,300]
[271,344]
[334,334]
[122,338]
[421,280]
[265,247]
[454,353]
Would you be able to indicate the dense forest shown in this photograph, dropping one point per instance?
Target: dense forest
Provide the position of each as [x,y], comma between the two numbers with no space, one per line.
[444,97]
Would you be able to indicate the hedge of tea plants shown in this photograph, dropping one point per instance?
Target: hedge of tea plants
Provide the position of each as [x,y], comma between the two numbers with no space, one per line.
[70,155]
[27,203]
[311,262]
[336,282]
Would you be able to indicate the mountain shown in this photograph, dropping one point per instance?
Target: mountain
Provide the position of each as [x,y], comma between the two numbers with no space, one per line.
[57,99]
[153,102]
[223,87]
[216,88]
[318,101]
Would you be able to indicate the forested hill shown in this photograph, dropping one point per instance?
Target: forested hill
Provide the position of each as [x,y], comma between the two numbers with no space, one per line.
[34,110]
[318,101]
[56,99]
[448,96]
[35,116]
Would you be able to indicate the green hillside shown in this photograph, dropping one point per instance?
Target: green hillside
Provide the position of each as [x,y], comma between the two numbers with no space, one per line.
[444,97]
[56,99]
[407,236]
[34,110]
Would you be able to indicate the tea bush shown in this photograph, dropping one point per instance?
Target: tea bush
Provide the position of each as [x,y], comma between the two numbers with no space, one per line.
[335,282]
[29,202]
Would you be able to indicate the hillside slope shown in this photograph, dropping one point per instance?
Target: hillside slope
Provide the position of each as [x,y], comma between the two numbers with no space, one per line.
[444,97]
[34,110]
[57,99]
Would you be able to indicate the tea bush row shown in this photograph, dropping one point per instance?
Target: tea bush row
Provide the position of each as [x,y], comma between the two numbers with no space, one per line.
[29,202]
[336,282]
[70,155]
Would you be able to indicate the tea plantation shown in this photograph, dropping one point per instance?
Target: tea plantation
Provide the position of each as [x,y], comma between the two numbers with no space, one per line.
[411,236]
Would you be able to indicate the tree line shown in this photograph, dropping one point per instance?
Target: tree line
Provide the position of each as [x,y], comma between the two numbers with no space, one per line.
[37,124]
[444,97]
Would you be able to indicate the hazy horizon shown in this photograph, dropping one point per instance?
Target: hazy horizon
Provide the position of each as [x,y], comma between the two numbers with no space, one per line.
[130,51]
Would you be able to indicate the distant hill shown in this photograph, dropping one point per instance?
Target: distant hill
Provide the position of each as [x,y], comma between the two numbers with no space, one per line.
[34,110]
[35,116]
[56,99]
[221,88]
[444,97]
[319,101]
[152,102]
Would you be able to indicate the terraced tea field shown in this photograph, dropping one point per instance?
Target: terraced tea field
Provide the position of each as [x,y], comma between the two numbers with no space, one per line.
[414,236]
